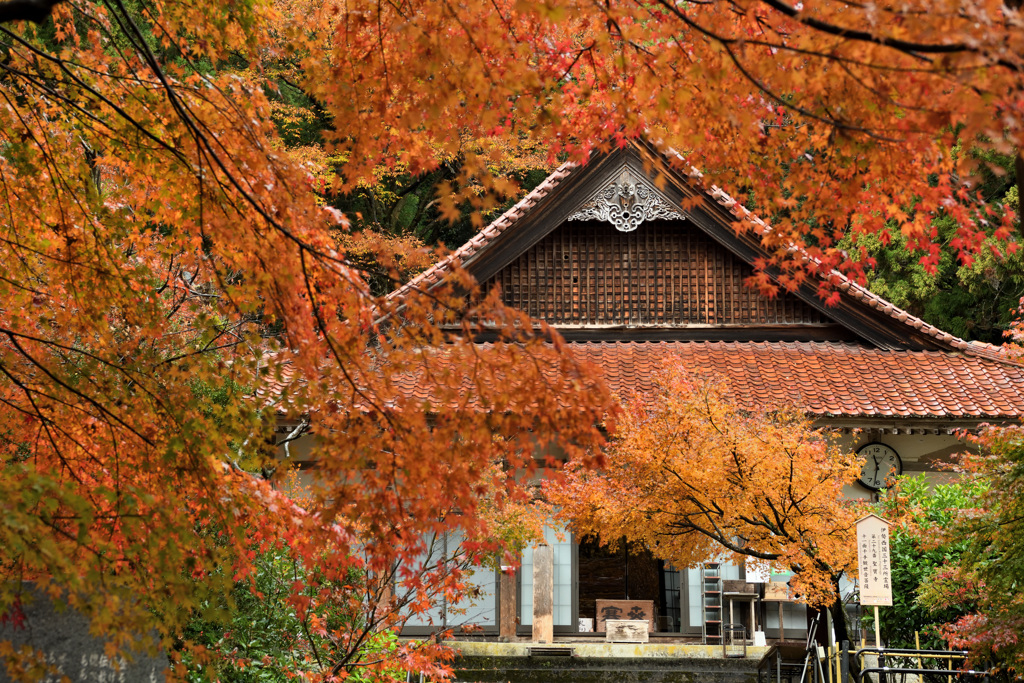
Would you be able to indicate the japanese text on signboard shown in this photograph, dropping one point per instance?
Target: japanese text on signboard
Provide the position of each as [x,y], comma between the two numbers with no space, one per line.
[873,558]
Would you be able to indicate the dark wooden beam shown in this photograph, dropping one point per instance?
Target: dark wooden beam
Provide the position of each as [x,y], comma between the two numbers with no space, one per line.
[712,333]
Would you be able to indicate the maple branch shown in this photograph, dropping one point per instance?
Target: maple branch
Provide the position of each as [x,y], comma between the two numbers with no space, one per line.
[44,422]
[305,620]
[790,105]
[469,36]
[579,55]
[760,521]
[380,45]
[722,539]
[63,64]
[727,44]
[779,517]
[322,324]
[71,349]
[913,49]
[209,346]
[192,123]
[74,392]
[782,46]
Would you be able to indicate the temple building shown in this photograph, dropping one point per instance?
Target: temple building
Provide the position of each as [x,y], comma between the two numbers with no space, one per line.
[633,259]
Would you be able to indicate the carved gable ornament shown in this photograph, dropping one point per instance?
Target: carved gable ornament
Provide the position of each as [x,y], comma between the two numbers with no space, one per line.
[626,202]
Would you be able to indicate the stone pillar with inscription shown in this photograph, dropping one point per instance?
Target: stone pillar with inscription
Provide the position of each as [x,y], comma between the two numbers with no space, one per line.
[543,594]
[61,635]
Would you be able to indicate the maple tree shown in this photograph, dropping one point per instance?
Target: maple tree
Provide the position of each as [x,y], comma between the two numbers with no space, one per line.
[925,542]
[976,586]
[172,286]
[975,301]
[168,252]
[267,628]
[689,475]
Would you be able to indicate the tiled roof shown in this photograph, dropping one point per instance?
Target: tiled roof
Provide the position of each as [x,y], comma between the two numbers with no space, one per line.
[828,379]
[850,288]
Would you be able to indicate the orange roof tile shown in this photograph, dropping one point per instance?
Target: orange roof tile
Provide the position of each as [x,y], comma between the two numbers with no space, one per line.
[828,379]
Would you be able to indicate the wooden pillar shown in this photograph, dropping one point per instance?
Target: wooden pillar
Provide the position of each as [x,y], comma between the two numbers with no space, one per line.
[543,595]
[507,589]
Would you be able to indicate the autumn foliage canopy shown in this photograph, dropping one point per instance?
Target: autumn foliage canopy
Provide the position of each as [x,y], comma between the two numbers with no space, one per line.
[172,277]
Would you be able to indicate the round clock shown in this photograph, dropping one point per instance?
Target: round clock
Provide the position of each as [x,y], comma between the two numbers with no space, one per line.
[880,463]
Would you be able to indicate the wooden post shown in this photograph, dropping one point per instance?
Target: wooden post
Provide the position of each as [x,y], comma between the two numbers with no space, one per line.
[508,588]
[543,595]
[878,645]
[878,630]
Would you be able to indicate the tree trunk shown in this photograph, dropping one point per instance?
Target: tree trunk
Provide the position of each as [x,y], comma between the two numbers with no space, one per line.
[839,624]
[842,630]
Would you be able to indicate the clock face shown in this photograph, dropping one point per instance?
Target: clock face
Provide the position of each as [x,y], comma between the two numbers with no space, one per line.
[879,465]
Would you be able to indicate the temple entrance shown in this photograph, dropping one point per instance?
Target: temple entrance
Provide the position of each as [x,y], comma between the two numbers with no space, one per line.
[594,583]
[620,573]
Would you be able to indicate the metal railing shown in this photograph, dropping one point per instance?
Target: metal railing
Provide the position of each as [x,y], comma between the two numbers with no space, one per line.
[904,660]
[840,664]
[894,665]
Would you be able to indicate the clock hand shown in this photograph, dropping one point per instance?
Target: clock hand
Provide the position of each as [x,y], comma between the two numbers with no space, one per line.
[875,458]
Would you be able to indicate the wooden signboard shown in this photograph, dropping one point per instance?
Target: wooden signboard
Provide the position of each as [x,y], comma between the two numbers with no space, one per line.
[873,560]
[733,587]
[776,591]
[623,609]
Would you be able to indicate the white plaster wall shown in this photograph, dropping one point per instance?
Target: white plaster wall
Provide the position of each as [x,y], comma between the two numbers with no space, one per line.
[920,453]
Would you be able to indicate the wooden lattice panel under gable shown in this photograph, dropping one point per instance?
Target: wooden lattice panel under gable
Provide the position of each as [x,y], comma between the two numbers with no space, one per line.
[665,273]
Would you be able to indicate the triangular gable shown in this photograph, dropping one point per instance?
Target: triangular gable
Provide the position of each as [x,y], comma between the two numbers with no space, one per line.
[667,274]
[622,181]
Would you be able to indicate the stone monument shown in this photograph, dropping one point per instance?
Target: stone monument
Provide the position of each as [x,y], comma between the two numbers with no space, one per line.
[63,636]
